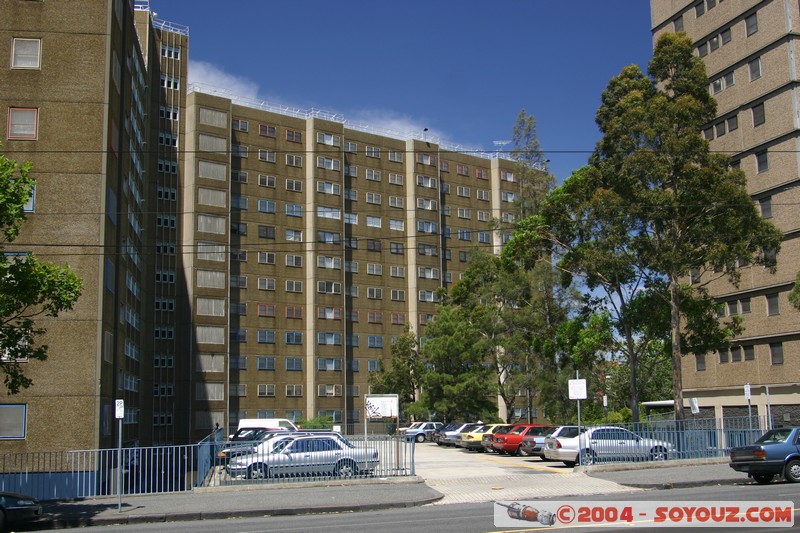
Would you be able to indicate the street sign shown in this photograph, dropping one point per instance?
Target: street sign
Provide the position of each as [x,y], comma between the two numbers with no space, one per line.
[119,409]
[747,391]
[694,405]
[605,400]
[577,389]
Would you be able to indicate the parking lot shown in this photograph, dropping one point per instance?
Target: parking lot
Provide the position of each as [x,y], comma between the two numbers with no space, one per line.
[465,477]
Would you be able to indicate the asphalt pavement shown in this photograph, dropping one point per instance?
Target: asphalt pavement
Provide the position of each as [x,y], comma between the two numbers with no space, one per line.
[443,476]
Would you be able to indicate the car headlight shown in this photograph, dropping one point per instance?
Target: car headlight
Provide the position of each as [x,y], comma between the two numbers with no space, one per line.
[26,502]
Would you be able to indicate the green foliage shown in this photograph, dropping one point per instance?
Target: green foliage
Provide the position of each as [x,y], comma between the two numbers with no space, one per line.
[402,375]
[654,205]
[456,385]
[794,296]
[322,422]
[29,288]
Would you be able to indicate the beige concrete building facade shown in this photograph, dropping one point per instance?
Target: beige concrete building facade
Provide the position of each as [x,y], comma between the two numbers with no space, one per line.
[239,260]
[81,86]
[750,48]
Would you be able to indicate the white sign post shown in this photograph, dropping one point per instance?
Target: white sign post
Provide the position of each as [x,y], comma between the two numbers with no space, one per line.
[749,407]
[119,414]
[577,391]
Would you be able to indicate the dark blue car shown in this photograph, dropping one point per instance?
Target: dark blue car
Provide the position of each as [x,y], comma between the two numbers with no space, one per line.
[777,452]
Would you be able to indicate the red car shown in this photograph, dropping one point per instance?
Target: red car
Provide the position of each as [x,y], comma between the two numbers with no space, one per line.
[510,442]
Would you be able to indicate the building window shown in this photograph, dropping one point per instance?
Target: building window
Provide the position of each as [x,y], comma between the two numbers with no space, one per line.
[749,353]
[766,207]
[398,295]
[26,53]
[294,363]
[758,115]
[776,353]
[267,206]
[397,248]
[329,163]
[373,175]
[773,305]
[755,68]
[294,260]
[700,362]
[375,341]
[268,156]
[23,123]
[293,210]
[328,139]
[294,337]
[266,310]
[723,356]
[294,235]
[294,285]
[266,336]
[294,160]
[266,130]
[762,162]
[294,136]
[373,151]
[751,24]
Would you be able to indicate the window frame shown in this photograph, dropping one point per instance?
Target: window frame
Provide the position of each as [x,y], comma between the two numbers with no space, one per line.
[15,57]
[10,124]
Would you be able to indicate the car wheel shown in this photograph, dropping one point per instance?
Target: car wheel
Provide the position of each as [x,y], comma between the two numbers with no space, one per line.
[792,471]
[2,521]
[658,454]
[346,468]
[421,437]
[763,479]
[588,457]
[258,472]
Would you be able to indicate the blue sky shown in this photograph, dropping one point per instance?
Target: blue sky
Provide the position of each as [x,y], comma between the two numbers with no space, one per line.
[463,69]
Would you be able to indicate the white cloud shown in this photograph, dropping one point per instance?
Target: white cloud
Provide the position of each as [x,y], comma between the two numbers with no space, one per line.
[204,73]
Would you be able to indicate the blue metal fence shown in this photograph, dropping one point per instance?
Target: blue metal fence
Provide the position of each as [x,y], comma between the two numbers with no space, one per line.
[162,469]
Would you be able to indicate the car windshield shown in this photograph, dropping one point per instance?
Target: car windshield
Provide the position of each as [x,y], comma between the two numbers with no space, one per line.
[540,432]
[568,432]
[502,429]
[775,435]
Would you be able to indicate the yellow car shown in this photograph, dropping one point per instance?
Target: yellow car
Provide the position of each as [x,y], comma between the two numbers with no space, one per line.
[472,440]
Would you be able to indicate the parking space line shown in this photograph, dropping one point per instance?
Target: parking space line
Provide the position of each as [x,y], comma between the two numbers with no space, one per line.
[542,468]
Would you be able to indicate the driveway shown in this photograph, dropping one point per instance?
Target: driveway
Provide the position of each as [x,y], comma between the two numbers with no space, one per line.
[472,477]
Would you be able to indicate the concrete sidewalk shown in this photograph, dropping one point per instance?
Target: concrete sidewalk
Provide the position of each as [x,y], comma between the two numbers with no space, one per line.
[680,473]
[262,499]
[486,478]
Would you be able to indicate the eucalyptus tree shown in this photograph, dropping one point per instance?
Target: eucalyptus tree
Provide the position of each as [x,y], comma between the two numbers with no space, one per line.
[655,206]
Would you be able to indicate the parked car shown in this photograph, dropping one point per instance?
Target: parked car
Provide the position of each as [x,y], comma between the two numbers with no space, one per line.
[510,441]
[252,428]
[16,508]
[533,444]
[776,453]
[305,455]
[606,443]
[486,440]
[451,436]
[473,440]
[242,447]
[437,435]
[421,431]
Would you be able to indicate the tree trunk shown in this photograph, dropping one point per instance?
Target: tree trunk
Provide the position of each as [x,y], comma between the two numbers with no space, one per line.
[675,326]
[633,363]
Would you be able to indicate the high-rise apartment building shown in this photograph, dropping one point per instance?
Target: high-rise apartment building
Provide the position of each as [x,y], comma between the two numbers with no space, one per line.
[238,260]
[750,48]
[92,94]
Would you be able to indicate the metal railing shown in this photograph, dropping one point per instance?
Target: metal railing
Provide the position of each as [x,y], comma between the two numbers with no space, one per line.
[169,469]
[669,439]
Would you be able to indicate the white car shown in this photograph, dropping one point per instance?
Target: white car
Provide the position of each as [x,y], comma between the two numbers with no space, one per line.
[313,454]
[606,443]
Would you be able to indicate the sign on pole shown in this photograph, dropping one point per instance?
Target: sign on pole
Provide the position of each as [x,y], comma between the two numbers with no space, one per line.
[577,389]
[746,391]
[119,409]
[694,405]
[382,405]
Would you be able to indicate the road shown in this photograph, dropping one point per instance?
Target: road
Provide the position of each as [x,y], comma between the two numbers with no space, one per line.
[471,518]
